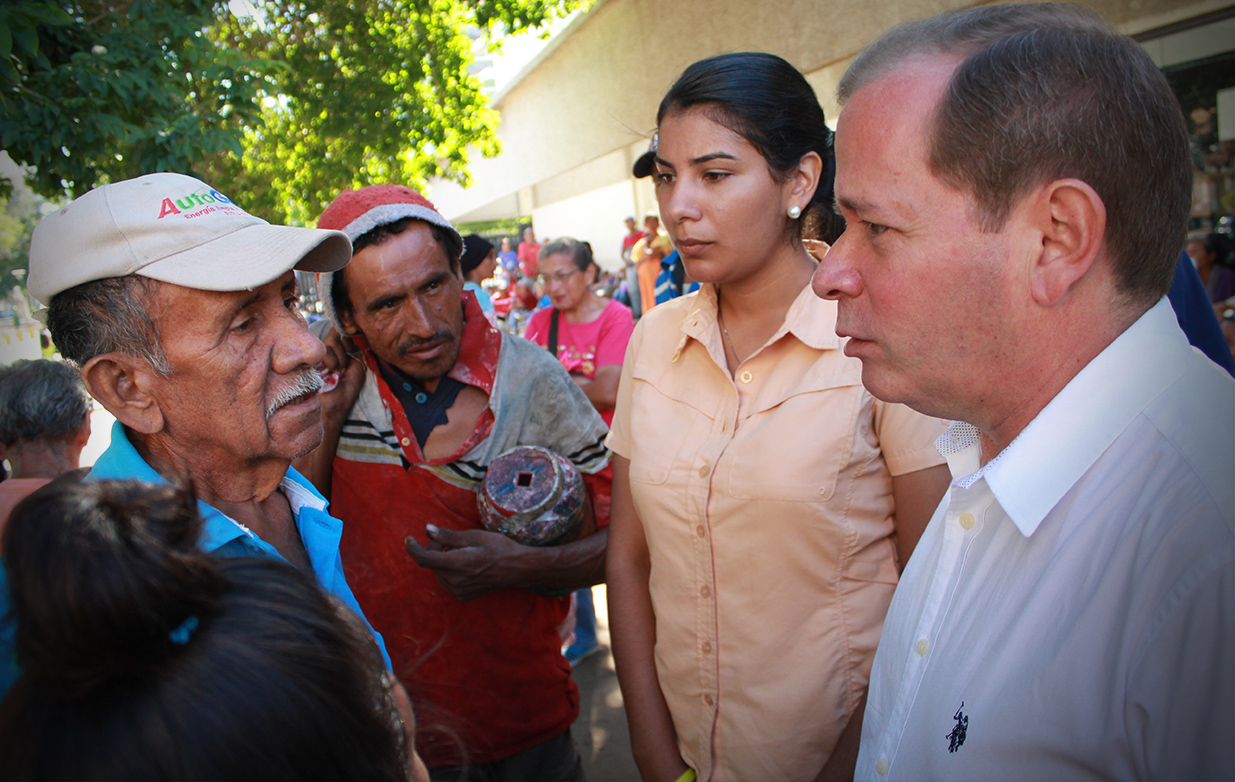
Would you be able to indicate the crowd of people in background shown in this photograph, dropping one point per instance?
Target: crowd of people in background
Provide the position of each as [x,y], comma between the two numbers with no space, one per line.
[888,442]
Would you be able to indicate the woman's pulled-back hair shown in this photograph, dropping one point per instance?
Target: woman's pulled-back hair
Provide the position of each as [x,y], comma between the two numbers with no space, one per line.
[766,101]
[580,251]
[147,658]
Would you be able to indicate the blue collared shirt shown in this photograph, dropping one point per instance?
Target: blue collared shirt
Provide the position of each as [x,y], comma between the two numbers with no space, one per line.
[319,531]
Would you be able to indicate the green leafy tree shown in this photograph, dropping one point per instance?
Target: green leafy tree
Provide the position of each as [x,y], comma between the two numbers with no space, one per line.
[282,108]
[101,91]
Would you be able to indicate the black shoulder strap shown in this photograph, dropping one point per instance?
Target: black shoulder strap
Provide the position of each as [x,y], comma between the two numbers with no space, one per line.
[553,331]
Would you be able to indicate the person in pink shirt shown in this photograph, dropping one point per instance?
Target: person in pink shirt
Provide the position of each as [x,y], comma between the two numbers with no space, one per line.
[592,331]
[529,252]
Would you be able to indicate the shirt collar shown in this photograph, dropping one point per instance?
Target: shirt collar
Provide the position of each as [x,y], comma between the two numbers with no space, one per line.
[121,461]
[1033,473]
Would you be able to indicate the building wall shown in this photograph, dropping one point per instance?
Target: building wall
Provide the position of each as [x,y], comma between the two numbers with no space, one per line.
[575,120]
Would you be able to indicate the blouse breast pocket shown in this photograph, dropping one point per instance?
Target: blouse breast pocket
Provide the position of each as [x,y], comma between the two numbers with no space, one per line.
[667,425]
[794,448]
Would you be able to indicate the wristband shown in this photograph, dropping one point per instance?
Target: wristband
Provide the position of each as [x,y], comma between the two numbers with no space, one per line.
[687,776]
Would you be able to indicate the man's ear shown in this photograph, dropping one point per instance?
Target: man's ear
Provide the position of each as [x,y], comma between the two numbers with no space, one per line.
[124,384]
[1071,219]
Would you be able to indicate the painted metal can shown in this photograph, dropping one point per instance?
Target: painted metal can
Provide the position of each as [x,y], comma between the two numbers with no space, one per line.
[533,496]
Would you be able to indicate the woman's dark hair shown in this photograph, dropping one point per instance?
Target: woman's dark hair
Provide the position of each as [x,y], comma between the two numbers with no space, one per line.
[766,101]
[147,658]
[580,252]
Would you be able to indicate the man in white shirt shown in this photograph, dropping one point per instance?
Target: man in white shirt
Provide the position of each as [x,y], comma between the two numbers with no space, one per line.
[1016,182]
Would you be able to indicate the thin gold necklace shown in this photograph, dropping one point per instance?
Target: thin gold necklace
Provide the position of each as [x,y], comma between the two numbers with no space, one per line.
[720,318]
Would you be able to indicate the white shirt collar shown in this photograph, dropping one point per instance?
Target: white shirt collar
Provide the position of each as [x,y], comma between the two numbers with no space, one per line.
[1062,442]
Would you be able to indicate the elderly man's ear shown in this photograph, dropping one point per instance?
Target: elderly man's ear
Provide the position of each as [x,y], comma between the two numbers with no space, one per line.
[1069,220]
[123,384]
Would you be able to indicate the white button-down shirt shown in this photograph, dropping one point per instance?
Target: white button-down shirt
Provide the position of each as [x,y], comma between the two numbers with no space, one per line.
[1069,612]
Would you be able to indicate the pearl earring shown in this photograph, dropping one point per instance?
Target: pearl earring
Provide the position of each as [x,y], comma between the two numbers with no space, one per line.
[795,212]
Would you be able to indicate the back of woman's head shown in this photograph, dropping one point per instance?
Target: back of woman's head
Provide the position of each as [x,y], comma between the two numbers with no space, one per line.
[146,658]
[768,102]
[580,252]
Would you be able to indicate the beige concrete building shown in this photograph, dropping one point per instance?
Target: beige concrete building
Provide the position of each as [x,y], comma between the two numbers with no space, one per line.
[574,120]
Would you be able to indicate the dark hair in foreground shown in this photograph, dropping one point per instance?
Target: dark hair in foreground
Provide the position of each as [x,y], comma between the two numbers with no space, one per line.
[1049,92]
[450,244]
[146,658]
[580,252]
[41,400]
[768,102]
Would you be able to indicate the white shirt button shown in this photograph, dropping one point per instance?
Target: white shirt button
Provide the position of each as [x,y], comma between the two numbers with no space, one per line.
[746,376]
[967,520]
[881,767]
[923,646]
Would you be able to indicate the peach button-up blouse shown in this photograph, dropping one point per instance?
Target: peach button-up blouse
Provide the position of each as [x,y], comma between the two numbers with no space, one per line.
[766,501]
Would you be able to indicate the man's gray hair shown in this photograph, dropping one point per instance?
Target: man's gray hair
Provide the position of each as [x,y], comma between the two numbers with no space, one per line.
[106,316]
[1047,92]
[41,400]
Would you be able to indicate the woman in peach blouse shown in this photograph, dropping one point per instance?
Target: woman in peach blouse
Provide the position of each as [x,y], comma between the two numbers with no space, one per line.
[760,494]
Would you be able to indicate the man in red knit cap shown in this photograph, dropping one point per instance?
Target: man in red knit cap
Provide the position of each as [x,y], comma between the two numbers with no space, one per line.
[443,394]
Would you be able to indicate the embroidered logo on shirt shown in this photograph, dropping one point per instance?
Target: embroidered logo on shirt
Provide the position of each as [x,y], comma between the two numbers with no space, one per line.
[957,737]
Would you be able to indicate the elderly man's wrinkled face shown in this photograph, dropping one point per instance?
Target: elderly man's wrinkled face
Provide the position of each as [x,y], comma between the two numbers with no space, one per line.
[408,302]
[242,384]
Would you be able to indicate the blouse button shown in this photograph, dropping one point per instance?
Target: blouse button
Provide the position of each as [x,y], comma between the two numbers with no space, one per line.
[704,470]
[746,376]
[706,591]
[676,355]
[406,441]
[709,700]
[700,531]
[707,648]
[967,520]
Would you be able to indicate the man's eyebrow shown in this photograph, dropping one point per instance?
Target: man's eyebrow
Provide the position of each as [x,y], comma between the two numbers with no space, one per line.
[437,279]
[382,301]
[243,305]
[856,204]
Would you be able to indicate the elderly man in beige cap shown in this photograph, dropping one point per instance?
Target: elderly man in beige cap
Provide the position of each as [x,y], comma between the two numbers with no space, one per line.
[181,310]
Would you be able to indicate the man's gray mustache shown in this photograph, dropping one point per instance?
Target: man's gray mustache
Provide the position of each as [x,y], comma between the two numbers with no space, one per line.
[306,382]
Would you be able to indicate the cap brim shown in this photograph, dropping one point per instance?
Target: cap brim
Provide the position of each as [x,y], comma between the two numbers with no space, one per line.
[643,166]
[253,256]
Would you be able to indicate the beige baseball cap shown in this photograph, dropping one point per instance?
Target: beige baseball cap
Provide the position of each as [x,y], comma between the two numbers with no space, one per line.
[171,228]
